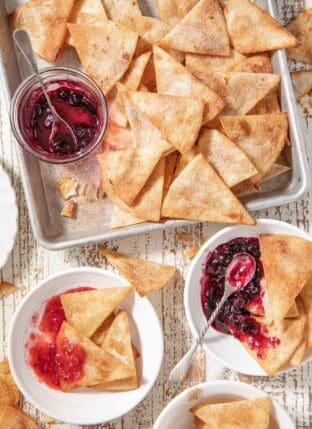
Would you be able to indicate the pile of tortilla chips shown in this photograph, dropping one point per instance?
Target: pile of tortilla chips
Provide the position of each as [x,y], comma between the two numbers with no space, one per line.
[241,414]
[193,101]
[287,301]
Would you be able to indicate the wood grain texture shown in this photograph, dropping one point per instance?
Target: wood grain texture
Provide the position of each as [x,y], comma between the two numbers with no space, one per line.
[29,264]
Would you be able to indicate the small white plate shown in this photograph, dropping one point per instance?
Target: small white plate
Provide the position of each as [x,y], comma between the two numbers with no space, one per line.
[87,406]
[177,412]
[8,217]
[225,348]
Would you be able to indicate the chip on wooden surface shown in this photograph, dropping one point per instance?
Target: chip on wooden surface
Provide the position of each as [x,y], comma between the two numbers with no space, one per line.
[243,414]
[6,288]
[13,418]
[261,137]
[301,27]
[303,81]
[144,276]
[105,51]
[287,265]
[120,10]
[174,79]
[253,30]
[229,161]
[9,392]
[95,305]
[97,366]
[45,22]
[306,297]
[201,31]
[198,193]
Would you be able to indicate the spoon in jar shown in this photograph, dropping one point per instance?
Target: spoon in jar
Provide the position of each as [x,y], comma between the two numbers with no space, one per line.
[238,274]
[61,132]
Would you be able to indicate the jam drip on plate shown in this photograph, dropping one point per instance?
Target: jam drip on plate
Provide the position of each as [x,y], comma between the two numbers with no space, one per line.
[236,316]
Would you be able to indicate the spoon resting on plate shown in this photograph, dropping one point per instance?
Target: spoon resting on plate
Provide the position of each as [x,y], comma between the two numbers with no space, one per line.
[238,274]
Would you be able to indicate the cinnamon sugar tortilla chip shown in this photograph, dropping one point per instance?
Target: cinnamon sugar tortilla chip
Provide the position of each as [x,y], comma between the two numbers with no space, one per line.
[69,209]
[207,63]
[120,10]
[296,359]
[303,81]
[105,51]
[301,27]
[178,118]
[100,333]
[183,160]
[6,288]
[131,80]
[121,218]
[198,193]
[174,79]
[9,392]
[287,264]
[249,413]
[91,7]
[269,104]
[67,187]
[306,297]
[171,11]
[229,161]
[45,22]
[117,138]
[95,306]
[201,31]
[253,30]
[13,418]
[171,162]
[261,137]
[144,276]
[260,63]
[240,91]
[98,366]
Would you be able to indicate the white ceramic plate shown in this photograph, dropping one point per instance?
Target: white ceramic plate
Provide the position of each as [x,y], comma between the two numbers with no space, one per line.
[87,406]
[177,414]
[8,217]
[226,348]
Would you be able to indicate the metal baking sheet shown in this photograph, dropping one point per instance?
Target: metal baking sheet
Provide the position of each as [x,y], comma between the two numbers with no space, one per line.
[93,218]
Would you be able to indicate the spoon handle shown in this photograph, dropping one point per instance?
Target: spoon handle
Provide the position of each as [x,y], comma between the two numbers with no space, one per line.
[23,42]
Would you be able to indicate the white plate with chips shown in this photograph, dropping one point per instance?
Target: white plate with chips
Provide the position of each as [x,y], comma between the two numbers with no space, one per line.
[177,413]
[225,348]
[87,406]
[8,217]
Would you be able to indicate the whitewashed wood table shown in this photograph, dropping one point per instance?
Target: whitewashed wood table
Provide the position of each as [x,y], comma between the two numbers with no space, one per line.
[29,263]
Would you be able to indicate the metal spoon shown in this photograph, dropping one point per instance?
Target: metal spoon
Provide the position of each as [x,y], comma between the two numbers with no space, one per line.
[241,261]
[60,128]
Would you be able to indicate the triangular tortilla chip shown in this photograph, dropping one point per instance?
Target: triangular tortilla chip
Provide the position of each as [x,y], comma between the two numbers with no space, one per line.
[284,340]
[6,288]
[245,414]
[171,162]
[131,80]
[226,158]
[178,118]
[253,30]
[198,193]
[45,22]
[100,333]
[121,219]
[105,51]
[296,359]
[144,276]
[120,10]
[301,27]
[90,7]
[118,343]
[201,31]
[306,297]
[171,11]
[174,79]
[240,91]
[303,81]
[260,63]
[94,305]
[13,418]
[183,160]
[261,137]
[287,264]
[269,104]
[9,392]
[97,365]
[117,138]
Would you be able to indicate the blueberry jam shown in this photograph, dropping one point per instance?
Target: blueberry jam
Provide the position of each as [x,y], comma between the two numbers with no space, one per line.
[76,105]
[237,315]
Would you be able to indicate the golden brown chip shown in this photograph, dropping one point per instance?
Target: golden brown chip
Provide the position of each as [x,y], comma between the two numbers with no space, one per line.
[105,51]
[183,160]
[67,187]
[198,193]
[301,27]
[178,118]
[229,161]
[260,63]
[97,365]
[174,79]
[13,418]
[95,306]
[121,218]
[249,414]
[253,30]
[117,138]
[6,288]
[207,63]
[287,264]
[303,81]
[120,10]
[261,137]
[45,22]
[9,392]
[171,162]
[100,333]
[89,7]
[201,31]
[69,209]
[269,104]
[191,252]
[171,11]
[144,276]
[298,356]
[306,297]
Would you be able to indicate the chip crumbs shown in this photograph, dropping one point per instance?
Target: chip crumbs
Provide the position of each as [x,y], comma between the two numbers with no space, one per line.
[190,252]
[69,210]
[67,187]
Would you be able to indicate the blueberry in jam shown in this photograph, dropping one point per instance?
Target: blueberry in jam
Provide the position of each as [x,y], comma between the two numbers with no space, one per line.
[237,315]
